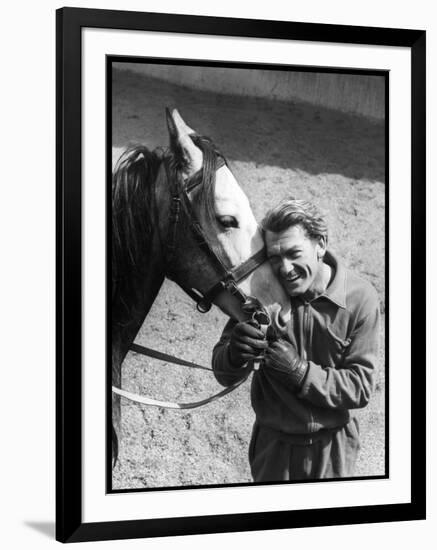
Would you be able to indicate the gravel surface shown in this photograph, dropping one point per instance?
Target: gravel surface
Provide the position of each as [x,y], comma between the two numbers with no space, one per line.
[275,149]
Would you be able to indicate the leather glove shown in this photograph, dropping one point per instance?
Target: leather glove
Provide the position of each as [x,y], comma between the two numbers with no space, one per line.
[247,342]
[282,358]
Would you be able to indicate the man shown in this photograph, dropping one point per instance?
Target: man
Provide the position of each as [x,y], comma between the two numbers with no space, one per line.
[319,369]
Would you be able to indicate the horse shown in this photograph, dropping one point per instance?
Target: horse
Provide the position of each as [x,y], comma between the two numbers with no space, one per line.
[178,212]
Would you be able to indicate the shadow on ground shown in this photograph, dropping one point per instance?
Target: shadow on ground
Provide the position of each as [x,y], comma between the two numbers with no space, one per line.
[288,135]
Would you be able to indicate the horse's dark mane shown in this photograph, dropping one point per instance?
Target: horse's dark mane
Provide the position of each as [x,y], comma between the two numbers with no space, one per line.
[134,217]
[132,223]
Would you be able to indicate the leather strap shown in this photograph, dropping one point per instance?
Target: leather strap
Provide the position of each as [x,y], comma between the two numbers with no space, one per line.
[155,354]
[246,268]
[144,400]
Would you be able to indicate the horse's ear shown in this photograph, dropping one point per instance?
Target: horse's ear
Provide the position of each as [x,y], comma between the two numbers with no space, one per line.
[182,145]
[171,126]
[176,124]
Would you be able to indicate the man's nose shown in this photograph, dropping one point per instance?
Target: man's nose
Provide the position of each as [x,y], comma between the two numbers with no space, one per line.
[286,267]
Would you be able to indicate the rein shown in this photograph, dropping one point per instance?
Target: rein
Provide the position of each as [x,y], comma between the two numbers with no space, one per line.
[144,400]
[228,282]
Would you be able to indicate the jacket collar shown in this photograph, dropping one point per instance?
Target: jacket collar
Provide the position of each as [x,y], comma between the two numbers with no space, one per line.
[336,290]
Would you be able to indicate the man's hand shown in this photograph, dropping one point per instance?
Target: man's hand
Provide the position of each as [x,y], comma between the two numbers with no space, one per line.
[247,342]
[282,357]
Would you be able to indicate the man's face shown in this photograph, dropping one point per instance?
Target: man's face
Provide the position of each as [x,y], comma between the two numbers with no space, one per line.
[294,258]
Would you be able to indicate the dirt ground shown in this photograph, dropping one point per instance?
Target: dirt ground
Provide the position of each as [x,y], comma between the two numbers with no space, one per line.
[275,149]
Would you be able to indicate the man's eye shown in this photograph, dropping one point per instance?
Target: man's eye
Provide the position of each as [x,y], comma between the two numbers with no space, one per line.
[293,255]
[227,221]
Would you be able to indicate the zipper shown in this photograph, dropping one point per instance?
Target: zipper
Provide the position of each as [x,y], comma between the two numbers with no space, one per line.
[305,338]
[305,330]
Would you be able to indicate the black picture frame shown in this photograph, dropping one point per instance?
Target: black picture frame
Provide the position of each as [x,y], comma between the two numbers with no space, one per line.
[69,524]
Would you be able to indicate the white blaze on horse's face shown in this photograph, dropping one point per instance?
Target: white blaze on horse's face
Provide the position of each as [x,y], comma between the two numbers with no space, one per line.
[240,238]
[237,225]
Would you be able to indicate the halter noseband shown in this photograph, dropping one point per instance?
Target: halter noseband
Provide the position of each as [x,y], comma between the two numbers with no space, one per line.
[229,277]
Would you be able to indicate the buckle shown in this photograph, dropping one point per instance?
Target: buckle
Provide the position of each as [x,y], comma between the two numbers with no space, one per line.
[203,306]
[261,317]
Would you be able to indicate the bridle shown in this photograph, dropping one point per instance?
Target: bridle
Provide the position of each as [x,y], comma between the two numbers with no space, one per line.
[181,202]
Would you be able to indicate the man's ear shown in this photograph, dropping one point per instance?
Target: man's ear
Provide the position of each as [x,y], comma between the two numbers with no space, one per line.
[321,247]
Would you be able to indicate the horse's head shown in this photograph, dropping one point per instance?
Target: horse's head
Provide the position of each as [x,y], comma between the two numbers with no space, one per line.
[215,249]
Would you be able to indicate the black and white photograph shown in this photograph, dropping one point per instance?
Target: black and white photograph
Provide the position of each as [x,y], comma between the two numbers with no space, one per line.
[248,218]
[240,340]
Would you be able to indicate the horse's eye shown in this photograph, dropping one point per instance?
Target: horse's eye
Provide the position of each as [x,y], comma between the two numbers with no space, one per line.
[227,221]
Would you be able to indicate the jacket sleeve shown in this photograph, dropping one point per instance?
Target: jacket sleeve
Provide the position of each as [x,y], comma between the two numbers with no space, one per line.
[349,385]
[225,373]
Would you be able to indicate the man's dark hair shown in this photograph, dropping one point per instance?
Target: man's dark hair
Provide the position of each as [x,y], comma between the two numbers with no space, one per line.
[291,212]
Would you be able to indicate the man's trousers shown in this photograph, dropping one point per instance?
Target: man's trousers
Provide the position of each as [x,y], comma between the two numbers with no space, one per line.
[330,453]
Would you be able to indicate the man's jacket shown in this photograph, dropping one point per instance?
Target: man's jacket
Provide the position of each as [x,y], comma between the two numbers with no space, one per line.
[338,334]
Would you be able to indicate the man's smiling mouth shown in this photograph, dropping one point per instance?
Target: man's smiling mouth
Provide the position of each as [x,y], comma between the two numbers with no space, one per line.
[292,278]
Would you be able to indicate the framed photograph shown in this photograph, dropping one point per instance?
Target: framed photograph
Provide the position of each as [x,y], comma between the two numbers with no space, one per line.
[240,275]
